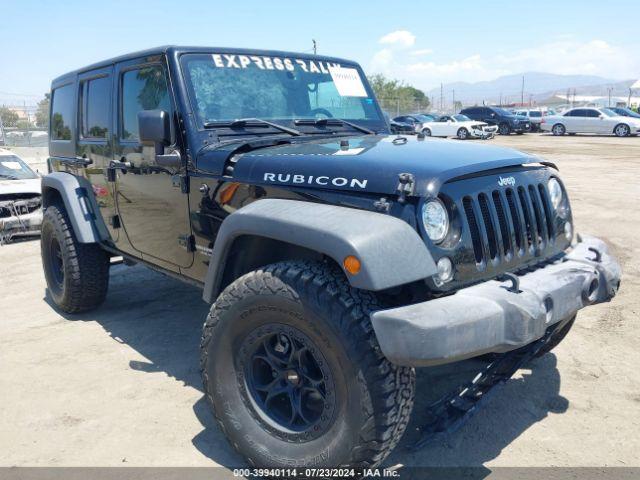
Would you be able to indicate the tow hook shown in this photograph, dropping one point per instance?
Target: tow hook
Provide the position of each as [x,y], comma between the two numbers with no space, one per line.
[598,256]
[515,282]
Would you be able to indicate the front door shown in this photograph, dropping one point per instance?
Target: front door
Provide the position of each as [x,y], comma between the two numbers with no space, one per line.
[153,211]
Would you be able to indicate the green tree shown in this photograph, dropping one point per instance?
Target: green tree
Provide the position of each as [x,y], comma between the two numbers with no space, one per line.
[9,117]
[396,95]
[42,113]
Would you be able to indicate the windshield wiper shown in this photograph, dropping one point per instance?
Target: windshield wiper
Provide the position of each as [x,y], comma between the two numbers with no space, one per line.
[332,121]
[251,122]
[10,177]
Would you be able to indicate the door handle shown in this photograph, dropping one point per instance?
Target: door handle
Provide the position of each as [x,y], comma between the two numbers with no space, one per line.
[120,165]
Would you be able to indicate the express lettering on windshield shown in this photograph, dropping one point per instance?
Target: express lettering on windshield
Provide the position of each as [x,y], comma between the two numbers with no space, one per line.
[223,60]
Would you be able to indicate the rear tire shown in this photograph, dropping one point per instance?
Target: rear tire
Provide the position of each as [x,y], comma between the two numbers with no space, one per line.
[558,130]
[77,274]
[426,132]
[362,401]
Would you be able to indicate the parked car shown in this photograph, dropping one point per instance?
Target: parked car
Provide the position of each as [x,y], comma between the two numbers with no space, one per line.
[336,258]
[459,126]
[401,127]
[591,120]
[20,198]
[533,115]
[417,120]
[507,122]
[624,112]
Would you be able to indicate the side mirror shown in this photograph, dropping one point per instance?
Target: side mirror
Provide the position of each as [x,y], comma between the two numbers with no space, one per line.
[154,128]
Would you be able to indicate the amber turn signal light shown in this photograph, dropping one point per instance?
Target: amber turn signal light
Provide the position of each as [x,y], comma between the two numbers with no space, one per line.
[351,265]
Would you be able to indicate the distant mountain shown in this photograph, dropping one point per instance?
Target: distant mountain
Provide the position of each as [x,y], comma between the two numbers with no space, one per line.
[510,86]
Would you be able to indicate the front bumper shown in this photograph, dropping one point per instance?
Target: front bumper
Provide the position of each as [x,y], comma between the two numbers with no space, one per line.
[490,317]
[485,133]
[27,224]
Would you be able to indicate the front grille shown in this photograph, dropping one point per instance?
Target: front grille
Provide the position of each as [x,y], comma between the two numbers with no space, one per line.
[508,223]
[18,206]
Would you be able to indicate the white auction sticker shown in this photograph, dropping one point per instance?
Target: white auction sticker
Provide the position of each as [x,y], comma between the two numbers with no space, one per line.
[12,165]
[347,81]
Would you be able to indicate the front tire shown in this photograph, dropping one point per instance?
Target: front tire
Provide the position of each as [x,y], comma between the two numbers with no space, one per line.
[338,403]
[622,130]
[504,129]
[463,133]
[426,132]
[555,340]
[77,274]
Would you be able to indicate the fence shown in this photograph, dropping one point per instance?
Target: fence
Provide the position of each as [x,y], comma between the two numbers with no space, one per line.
[32,137]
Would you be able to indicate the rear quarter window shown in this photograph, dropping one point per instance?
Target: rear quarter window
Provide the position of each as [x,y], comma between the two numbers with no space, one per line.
[62,112]
[96,105]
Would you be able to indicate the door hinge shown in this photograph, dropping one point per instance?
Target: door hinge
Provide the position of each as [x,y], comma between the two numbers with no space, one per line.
[188,242]
[115,221]
[181,181]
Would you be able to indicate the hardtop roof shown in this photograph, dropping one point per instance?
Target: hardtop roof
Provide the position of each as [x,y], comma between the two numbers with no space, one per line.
[179,50]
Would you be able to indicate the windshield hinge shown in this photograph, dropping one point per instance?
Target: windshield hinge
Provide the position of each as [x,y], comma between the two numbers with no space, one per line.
[406,186]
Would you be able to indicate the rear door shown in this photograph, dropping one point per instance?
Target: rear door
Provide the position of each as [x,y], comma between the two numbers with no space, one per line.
[95,137]
[152,208]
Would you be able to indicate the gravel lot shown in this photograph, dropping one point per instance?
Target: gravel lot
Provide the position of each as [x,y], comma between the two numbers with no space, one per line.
[121,385]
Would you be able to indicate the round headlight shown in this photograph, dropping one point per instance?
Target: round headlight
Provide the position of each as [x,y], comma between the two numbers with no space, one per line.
[555,192]
[435,220]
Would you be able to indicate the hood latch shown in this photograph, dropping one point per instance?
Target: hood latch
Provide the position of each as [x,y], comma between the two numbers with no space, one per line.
[406,186]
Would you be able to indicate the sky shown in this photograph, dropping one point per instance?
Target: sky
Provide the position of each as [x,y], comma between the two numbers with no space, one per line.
[422,43]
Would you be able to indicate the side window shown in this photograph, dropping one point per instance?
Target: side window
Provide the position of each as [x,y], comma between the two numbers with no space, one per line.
[95,106]
[593,113]
[62,113]
[142,89]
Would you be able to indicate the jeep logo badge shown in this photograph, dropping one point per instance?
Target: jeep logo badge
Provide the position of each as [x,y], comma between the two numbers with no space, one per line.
[504,181]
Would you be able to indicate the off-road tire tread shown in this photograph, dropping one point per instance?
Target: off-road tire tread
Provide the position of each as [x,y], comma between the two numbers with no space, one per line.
[87,263]
[391,386]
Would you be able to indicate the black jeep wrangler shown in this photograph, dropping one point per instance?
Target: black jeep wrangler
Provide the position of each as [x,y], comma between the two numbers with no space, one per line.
[336,257]
[506,121]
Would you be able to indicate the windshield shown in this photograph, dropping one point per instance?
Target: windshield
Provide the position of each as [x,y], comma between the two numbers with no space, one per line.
[609,113]
[14,168]
[226,87]
[425,118]
[535,114]
[461,118]
[502,111]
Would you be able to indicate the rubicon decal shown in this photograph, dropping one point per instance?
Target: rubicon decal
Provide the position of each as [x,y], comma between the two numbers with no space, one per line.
[322,180]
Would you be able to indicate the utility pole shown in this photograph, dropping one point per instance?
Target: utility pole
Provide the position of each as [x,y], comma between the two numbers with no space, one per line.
[522,93]
[609,89]
[315,46]
[501,98]
[454,101]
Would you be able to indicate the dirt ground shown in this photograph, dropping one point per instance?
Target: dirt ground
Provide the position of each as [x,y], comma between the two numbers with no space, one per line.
[120,386]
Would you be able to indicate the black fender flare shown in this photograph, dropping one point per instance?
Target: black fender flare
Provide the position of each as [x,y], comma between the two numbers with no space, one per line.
[390,251]
[79,203]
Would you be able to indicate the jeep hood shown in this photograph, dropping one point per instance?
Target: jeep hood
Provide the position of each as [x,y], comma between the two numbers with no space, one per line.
[13,187]
[372,163]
